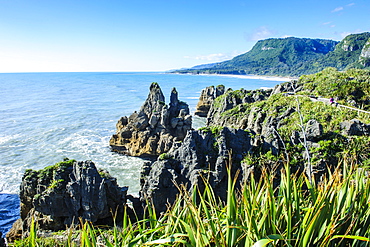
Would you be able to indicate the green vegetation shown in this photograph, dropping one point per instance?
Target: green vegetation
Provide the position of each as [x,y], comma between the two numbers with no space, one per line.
[288,114]
[277,204]
[164,156]
[104,174]
[55,183]
[294,213]
[278,104]
[346,54]
[349,87]
[47,176]
[215,130]
[50,170]
[294,57]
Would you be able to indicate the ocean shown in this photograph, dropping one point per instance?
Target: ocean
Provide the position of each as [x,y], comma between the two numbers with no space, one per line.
[46,117]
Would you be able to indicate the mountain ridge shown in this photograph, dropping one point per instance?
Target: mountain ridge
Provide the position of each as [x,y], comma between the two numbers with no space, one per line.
[294,57]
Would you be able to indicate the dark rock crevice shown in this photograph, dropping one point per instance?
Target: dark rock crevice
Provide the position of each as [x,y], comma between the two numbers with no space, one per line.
[201,155]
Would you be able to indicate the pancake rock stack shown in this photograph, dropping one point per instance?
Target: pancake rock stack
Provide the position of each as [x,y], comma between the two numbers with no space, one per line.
[59,195]
[206,99]
[153,130]
[201,156]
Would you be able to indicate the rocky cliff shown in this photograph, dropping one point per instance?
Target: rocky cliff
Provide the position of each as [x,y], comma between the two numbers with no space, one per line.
[231,99]
[203,155]
[365,54]
[255,130]
[207,96]
[248,132]
[153,130]
[59,195]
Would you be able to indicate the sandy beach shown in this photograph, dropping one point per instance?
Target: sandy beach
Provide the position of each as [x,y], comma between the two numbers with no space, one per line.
[261,77]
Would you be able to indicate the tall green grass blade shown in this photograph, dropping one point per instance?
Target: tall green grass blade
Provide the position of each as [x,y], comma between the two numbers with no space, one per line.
[33,233]
[173,239]
[351,237]
[190,233]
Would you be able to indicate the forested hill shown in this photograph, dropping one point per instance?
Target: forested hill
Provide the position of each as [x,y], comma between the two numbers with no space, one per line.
[294,57]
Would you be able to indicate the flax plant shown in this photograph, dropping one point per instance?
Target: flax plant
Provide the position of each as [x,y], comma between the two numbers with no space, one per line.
[335,212]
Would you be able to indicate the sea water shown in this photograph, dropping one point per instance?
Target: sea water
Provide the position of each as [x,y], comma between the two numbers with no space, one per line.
[46,117]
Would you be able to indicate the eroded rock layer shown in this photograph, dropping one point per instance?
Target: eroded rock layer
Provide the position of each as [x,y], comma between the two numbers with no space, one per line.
[207,96]
[203,154]
[154,129]
[58,196]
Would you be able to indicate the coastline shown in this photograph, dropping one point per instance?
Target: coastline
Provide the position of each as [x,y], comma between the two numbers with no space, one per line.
[260,77]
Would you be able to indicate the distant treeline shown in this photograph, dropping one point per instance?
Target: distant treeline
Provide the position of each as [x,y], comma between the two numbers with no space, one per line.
[294,57]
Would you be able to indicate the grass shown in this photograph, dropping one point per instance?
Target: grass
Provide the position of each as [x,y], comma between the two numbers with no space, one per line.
[335,212]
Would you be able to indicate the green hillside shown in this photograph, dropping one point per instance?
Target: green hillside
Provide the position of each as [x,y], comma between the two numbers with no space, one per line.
[347,53]
[295,56]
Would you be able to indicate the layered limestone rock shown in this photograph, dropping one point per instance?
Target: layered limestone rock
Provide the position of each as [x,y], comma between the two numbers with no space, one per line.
[238,133]
[207,96]
[364,58]
[231,99]
[203,154]
[153,130]
[233,110]
[289,87]
[57,196]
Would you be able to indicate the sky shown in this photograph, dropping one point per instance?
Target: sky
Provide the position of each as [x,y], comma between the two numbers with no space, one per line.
[159,35]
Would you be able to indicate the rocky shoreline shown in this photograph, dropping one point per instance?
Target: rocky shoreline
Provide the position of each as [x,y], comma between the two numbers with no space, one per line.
[241,124]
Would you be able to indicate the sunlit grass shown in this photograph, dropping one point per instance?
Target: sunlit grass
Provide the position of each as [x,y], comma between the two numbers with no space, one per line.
[335,212]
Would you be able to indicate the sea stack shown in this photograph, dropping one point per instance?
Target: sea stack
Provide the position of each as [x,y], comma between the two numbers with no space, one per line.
[59,195]
[206,99]
[152,130]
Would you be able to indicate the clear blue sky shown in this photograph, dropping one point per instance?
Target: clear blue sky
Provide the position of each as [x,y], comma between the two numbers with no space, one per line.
[158,35]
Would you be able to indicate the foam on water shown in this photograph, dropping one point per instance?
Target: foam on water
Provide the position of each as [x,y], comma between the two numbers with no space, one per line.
[46,117]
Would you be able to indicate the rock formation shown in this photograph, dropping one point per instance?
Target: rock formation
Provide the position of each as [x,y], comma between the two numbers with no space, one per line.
[2,240]
[206,99]
[355,127]
[231,99]
[364,58]
[287,87]
[241,124]
[203,154]
[152,130]
[57,196]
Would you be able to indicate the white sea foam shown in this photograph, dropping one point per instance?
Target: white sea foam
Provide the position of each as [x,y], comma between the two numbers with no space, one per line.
[7,138]
[73,115]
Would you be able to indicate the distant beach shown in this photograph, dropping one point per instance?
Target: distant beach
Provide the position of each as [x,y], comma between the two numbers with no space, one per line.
[255,77]
[260,77]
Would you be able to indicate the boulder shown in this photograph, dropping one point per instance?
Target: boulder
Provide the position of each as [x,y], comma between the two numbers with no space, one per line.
[57,196]
[355,127]
[153,129]
[313,130]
